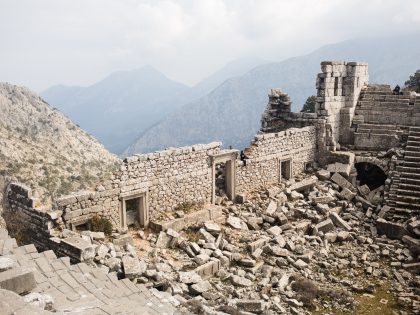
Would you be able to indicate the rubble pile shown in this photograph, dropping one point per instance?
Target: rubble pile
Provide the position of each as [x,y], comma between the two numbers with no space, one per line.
[311,244]
[317,242]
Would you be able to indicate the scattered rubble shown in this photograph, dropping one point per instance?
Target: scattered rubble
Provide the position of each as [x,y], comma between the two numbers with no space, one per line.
[280,251]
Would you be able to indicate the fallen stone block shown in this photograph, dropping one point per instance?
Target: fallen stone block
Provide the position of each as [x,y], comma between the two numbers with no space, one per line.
[257,244]
[253,306]
[123,240]
[254,222]
[338,221]
[341,181]
[199,288]
[212,228]
[305,184]
[366,204]
[240,198]
[78,249]
[414,267]
[412,243]
[364,190]
[234,222]
[273,191]
[208,269]
[274,230]
[323,174]
[163,240]
[189,277]
[325,226]
[207,236]
[272,207]
[241,281]
[322,199]
[18,280]
[281,218]
[201,259]
[6,263]
[347,194]
[390,229]
[341,168]
[133,267]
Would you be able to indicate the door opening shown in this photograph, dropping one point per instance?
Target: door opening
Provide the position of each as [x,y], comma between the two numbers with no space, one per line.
[135,211]
[285,170]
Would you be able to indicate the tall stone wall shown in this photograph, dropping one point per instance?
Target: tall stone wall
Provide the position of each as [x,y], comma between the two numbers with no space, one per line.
[262,167]
[339,86]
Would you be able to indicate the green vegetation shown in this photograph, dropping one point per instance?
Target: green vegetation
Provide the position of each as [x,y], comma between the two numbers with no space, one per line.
[413,83]
[100,224]
[309,106]
[189,206]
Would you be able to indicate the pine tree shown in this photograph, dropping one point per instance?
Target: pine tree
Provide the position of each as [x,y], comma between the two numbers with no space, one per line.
[309,106]
[413,84]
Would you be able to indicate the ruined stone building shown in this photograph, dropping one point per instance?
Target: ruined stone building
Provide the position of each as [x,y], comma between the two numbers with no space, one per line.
[361,133]
[351,132]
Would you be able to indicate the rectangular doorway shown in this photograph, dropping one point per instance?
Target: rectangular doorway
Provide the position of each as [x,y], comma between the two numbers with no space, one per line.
[285,169]
[135,211]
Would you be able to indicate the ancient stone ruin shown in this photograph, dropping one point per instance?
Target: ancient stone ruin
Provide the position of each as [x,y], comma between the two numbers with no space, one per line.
[249,229]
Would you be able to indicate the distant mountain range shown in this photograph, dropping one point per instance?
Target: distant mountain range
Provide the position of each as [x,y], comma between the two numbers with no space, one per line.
[231,112]
[119,108]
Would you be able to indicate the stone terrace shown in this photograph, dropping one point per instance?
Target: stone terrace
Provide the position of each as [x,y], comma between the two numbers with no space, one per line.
[75,289]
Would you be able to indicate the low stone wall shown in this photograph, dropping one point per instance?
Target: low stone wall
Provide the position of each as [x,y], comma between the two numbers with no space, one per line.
[268,150]
[166,178]
[81,207]
[31,225]
[171,177]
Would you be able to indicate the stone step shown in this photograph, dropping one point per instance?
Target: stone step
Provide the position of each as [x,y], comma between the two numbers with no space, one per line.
[410,175]
[414,133]
[403,212]
[407,205]
[415,129]
[412,153]
[412,148]
[413,143]
[406,169]
[378,126]
[412,136]
[413,183]
[409,198]
[412,159]
[412,164]
[405,192]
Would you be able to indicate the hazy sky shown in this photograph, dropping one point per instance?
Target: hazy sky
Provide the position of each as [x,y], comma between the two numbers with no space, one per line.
[78,42]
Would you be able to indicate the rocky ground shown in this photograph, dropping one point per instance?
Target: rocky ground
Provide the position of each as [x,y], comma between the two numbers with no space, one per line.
[279,252]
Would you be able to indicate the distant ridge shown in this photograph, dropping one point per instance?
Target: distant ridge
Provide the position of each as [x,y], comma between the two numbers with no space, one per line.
[231,112]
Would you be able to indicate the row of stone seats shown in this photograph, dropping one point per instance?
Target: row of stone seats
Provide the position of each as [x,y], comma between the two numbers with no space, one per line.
[406,184]
[76,289]
[379,129]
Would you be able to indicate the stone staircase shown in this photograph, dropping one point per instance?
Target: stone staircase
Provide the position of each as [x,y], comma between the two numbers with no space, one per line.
[405,189]
[79,288]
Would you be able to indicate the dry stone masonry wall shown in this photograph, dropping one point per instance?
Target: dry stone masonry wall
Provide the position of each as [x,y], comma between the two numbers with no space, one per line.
[170,177]
[298,145]
[339,86]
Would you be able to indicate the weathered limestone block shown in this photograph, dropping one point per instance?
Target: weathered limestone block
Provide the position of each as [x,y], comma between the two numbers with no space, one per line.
[341,181]
[18,280]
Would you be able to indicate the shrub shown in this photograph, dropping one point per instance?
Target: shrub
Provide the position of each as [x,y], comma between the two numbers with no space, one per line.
[189,206]
[100,224]
[306,290]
